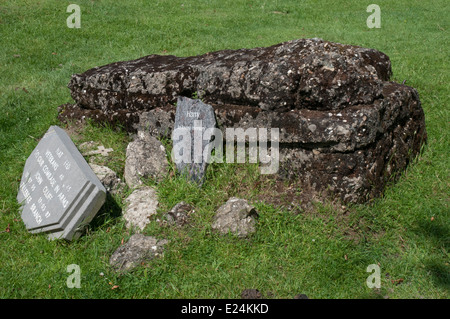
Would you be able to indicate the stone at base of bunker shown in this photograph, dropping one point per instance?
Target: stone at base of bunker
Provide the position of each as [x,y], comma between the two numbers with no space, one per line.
[344,128]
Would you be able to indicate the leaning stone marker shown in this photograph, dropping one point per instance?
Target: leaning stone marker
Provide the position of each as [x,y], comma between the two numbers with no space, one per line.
[191,152]
[59,191]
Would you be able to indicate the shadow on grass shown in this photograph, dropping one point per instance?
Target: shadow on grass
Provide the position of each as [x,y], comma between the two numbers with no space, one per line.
[376,293]
[439,235]
[107,215]
[440,273]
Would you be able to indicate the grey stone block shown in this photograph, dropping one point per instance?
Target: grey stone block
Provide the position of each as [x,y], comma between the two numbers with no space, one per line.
[59,191]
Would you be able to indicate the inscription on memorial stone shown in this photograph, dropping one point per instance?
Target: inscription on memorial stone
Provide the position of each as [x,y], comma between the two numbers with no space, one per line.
[58,191]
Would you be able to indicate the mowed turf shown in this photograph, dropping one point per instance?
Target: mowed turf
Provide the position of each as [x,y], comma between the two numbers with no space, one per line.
[323,253]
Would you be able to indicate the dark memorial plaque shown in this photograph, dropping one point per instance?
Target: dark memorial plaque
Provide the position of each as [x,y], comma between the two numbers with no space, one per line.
[194,126]
[59,192]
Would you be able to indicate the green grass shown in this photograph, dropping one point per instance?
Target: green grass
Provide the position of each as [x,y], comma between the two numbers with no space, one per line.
[323,254]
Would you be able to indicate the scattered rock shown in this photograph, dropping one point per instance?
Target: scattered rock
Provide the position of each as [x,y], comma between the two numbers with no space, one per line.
[108,177]
[159,122]
[101,150]
[94,148]
[88,146]
[146,158]
[179,214]
[137,250]
[251,294]
[235,216]
[140,205]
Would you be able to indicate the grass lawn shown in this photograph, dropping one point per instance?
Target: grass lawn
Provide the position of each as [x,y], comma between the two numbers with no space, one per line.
[323,253]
